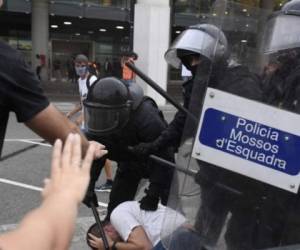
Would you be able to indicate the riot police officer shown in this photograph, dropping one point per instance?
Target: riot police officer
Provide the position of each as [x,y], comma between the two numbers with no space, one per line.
[203,49]
[121,116]
[281,44]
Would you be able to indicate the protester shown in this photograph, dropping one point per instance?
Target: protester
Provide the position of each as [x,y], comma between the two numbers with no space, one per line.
[130,227]
[52,224]
[21,93]
[85,81]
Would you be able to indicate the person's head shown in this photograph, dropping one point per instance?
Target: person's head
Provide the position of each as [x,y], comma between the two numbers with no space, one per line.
[134,56]
[197,45]
[1,2]
[81,65]
[281,37]
[130,55]
[108,229]
[108,105]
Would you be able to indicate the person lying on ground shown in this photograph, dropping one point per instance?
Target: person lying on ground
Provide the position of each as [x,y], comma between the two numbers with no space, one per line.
[131,228]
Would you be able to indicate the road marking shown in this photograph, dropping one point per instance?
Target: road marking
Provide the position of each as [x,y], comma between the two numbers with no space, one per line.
[82,224]
[37,143]
[35,188]
[102,204]
[20,184]
[30,141]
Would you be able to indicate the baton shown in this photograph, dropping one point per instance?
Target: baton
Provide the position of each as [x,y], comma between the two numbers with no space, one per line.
[192,173]
[161,91]
[188,172]
[100,226]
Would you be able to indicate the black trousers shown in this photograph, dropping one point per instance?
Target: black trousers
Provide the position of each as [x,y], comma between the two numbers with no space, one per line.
[124,188]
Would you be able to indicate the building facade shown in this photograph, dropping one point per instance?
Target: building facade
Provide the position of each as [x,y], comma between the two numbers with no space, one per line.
[52,32]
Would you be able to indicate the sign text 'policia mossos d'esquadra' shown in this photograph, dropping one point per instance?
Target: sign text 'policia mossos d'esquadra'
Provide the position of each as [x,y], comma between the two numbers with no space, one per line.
[251,141]
[250,138]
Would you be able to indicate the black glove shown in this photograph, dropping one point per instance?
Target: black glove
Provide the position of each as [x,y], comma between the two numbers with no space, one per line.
[144,149]
[90,197]
[149,203]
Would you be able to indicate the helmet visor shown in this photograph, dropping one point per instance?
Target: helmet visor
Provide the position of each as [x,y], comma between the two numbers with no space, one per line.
[282,32]
[194,40]
[104,120]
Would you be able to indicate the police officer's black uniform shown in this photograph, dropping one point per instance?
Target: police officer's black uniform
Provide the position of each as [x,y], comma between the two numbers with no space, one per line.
[19,89]
[145,123]
[217,202]
[282,89]
[235,79]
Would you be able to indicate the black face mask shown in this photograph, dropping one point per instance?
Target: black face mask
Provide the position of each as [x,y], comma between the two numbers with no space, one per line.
[186,62]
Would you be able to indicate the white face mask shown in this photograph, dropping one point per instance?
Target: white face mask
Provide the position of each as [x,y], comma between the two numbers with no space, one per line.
[81,70]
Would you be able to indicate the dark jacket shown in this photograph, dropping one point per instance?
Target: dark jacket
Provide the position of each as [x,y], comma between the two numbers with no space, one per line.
[145,124]
[236,80]
[282,88]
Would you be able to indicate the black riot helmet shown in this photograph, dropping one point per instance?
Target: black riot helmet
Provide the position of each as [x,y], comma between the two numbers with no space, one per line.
[205,40]
[108,105]
[282,30]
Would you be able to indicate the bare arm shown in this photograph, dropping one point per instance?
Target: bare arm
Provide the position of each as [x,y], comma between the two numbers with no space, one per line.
[137,240]
[51,226]
[79,120]
[76,109]
[52,124]
[38,229]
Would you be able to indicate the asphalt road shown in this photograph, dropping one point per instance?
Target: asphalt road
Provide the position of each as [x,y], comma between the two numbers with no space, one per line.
[21,178]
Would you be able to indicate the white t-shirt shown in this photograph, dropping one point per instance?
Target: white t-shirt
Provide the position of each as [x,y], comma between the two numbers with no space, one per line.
[82,85]
[128,215]
[83,90]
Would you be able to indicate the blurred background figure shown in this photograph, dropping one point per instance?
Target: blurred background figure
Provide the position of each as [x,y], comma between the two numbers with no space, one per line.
[107,67]
[71,70]
[127,74]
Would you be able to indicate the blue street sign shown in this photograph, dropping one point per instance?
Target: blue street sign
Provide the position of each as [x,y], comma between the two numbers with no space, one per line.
[251,141]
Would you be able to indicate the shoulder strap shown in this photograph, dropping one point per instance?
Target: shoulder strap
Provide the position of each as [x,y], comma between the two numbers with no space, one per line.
[88,85]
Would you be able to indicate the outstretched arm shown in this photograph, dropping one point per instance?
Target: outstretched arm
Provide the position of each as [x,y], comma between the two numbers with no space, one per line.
[51,124]
[51,226]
